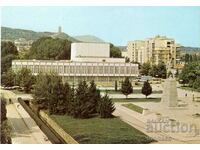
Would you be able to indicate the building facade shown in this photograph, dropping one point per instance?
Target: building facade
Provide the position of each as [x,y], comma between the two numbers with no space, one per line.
[100,69]
[153,50]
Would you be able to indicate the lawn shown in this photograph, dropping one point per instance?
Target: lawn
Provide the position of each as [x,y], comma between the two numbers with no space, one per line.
[134,107]
[136,99]
[102,131]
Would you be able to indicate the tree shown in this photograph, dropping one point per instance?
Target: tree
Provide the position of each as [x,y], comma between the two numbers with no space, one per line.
[189,73]
[60,94]
[50,48]
[8,53]
[106,107]
[94,97]
[42,91]
[145,68]
[8,78]
[3,109]
[146,89]
[115,52]
[196,84]
[187,58]
[69,98]
[5,129]
[127,87]
[82,102]
[25,79]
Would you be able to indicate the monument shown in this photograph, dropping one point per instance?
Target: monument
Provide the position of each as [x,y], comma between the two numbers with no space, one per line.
[170,96]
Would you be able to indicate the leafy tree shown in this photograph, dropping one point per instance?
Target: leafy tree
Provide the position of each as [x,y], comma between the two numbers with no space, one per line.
[8,78]
[50,48]
[187,58]
[189,73]
[145,68]
[115,52]
[106,107]
[146,89]
[159,70]
[162,70]
[127,87]
[8,53]
[25,79]
[196,83]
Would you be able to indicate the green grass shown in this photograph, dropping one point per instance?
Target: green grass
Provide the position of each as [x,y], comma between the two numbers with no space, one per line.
[134,107]
[102,131]
[136,100]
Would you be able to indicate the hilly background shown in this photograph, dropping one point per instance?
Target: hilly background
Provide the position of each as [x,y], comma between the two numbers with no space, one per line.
[14,34]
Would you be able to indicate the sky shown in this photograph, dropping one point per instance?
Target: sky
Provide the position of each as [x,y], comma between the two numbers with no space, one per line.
[117,25]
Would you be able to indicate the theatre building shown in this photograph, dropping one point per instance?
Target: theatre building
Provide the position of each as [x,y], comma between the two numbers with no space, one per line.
[89,61]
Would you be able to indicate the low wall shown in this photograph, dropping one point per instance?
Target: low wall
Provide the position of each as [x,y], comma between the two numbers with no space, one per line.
[66,137]
[52,136]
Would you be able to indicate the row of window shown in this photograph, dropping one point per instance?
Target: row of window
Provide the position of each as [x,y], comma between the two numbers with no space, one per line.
[81,69]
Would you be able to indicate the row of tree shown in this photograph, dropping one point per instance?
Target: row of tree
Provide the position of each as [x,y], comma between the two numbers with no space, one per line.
[22,78]
[190,58]
[127,88]
[159,70]
[60,98]
[190,75]
[57,49]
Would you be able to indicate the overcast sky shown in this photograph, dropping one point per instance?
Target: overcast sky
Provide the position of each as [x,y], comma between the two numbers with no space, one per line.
[112,24]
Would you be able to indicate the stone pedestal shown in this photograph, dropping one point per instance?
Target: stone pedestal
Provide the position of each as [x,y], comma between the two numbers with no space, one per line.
[170,96]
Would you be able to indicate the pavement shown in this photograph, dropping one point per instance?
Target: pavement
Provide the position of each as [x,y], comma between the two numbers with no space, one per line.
[24,128]
[183,116]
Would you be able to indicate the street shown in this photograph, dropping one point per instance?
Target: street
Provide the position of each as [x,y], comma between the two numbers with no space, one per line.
[24,128]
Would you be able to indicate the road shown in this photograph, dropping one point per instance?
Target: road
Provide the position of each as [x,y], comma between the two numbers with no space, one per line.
[24,128]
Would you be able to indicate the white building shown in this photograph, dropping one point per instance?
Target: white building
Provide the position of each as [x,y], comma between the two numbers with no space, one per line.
[84,65]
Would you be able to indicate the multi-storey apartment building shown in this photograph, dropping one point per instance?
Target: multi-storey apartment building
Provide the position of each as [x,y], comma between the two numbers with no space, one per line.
[153,50]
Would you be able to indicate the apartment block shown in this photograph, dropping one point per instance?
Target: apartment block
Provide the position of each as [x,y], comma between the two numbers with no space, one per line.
[153,50]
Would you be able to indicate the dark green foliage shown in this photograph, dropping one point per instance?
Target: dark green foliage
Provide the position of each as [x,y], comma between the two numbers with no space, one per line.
[8,53]
[145,69]
[115,85]
[68,98]
[146,89]
[82,102]
[115,51]
[94,97]
[25,79]
[190,75]
[8,78]
[42,91]
[3,109]
[159,70]
[106,107]
[127,87]
[5,129]
[49,48]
